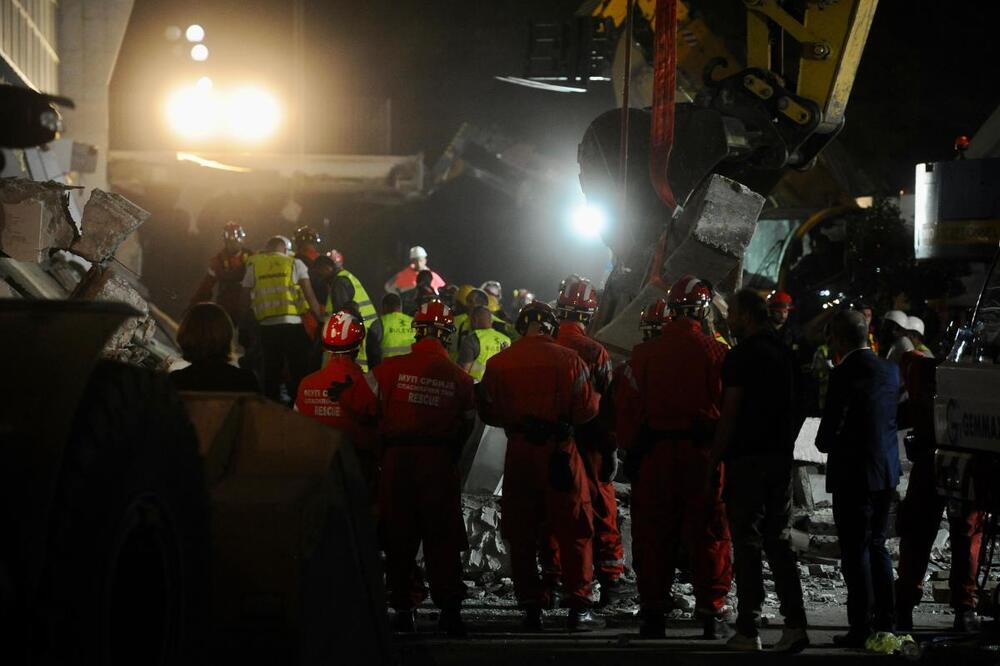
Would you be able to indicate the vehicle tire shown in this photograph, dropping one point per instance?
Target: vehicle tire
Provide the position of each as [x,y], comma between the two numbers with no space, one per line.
[127,561]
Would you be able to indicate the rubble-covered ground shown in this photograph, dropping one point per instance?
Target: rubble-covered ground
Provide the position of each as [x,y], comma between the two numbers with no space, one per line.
[494,620]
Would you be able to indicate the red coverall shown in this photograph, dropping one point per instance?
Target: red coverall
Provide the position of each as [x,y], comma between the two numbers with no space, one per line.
[225,270]
[596,440]
[545,488]
[920,512]
[427,412]
[673,384]
[339,396]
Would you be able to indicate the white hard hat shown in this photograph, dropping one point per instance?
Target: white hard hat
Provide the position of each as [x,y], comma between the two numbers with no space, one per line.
[915,324]
[897,317]
[418,252]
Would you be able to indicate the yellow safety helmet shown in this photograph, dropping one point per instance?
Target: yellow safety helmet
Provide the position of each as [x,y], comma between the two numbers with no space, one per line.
[463,293]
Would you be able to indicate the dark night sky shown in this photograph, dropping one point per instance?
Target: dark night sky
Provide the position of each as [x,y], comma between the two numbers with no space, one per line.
[927,76]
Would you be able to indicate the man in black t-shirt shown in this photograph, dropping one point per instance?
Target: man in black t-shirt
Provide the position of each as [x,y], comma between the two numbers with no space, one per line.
[756,438]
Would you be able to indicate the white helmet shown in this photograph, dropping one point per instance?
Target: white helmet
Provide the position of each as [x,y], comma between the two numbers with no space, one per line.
[897,317]
[915,324]
[417,252]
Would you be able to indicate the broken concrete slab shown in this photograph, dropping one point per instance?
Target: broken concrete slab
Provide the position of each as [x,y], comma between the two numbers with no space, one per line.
[34,217]
[108,219]
[127,343]
[710,235]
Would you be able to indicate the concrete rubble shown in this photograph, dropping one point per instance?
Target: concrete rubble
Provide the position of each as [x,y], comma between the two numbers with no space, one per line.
[40,236]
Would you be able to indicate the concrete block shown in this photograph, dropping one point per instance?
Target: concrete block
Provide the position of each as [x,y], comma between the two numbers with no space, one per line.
[107,220]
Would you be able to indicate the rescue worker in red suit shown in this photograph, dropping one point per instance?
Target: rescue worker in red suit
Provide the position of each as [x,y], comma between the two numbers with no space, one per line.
[920,512]
[595,439]
[338,395]
[225,271]
[675,379]
[427,412]
[538,391]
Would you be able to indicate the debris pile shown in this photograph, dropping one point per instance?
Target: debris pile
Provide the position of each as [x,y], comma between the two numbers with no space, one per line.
[487,551]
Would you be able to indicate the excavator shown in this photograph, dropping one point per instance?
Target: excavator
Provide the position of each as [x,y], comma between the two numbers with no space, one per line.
[710,124]
[144,527]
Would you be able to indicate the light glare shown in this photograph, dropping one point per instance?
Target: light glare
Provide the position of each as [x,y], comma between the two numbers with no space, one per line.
[253,114]
[589,221]
[199,52]
[199,112]
[194,33]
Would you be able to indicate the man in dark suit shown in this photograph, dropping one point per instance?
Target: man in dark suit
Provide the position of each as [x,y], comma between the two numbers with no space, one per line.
[858,431]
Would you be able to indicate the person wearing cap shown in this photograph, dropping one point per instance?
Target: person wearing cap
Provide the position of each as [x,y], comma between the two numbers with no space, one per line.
[225,271]
[280,292]
[404,282]
[482,344]
[345,288]
[338,394]
[915,332]
[894,325]
[779,306]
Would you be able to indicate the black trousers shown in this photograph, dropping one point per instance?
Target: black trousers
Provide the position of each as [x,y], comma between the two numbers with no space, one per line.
[862,520]
[759,505]
[283,345]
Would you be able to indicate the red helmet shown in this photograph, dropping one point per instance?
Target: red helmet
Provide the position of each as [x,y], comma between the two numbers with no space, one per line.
[434,318]
[689,297]
[234,231]
[337,258]
[577,300]
[306,235]
[779,300]
[540,312]
[343,333]
[652,319]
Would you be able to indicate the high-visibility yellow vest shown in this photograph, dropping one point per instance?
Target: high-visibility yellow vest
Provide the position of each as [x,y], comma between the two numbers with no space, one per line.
[491,343]
[463,326]
[365,307]
[397,334]
[274,293]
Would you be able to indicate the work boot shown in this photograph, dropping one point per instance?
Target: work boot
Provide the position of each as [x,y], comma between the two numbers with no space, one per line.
[904,618]
[793,641]
[743,643]
[532,619]
[966,620]
[715,627]
[581,620]
[404,622]
[652,624]
[451,623]
[611,589]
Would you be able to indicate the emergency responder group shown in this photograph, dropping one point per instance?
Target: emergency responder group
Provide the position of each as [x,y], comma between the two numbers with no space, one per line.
[707,434]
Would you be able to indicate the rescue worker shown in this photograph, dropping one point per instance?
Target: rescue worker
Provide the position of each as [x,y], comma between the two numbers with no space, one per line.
[225,271]
[676,379]
[404,282]
[779,306]
[576,305]
[279,291]
[427,412]
[307,242]
[397,328]
[894,340]
[471,299]
[346,288]
[481,345]
[538,391]
[919,514]
[338,394]
[652,319]
[424,291]
[522,297]
[915,332]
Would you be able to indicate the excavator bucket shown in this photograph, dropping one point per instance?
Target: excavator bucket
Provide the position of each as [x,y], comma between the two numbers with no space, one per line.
[296,574]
